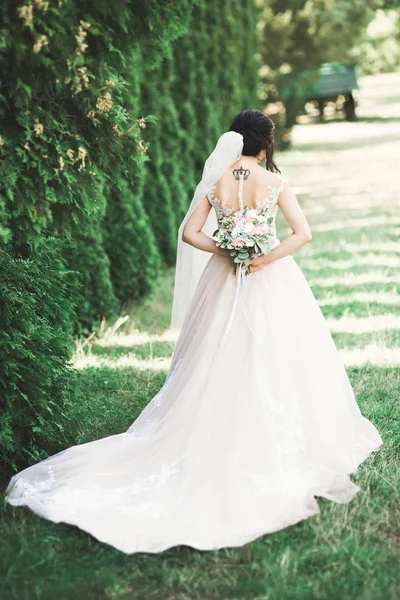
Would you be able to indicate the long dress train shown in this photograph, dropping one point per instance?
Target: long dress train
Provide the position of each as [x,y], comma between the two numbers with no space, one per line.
[250,426]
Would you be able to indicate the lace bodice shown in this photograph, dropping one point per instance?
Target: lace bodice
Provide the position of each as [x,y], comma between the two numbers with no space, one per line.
[268,206]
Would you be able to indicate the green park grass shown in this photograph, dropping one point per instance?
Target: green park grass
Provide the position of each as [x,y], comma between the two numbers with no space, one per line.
[347,182]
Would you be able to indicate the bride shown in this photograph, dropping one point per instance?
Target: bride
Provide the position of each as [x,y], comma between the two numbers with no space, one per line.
[257,417]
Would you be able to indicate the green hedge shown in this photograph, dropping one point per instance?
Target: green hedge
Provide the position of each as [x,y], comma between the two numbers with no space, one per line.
[70,119]
[83,81]
[206,77]
[37,300]
[129,242]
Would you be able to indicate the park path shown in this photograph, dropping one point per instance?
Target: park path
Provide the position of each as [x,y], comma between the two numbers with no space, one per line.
[347,179]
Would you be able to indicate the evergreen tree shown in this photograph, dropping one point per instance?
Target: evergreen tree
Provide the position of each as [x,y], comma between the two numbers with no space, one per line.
[129,242]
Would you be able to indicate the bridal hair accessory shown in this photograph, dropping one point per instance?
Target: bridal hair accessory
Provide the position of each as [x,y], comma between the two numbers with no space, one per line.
[190,261]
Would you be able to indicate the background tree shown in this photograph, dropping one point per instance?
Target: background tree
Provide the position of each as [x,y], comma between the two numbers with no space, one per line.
[301,34]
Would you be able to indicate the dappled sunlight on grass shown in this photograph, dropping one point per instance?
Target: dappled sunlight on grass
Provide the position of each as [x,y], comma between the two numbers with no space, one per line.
[355,223]
[365,297]
[362,325]
[373,354]
[122,362]
[315,264]
[355,279]
[139,337]
[344,246]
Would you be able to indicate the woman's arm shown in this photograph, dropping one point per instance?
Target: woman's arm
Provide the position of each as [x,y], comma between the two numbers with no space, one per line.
[193,235]
[301,233]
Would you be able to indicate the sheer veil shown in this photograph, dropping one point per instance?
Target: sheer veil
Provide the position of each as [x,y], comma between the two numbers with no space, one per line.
[190,262]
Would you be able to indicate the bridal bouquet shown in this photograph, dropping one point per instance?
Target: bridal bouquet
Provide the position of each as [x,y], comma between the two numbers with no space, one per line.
[246,233]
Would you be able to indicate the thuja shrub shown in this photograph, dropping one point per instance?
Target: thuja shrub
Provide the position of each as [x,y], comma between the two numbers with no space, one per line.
[130,242]
[70,116]
[37,300]
[206,77]
[92,265]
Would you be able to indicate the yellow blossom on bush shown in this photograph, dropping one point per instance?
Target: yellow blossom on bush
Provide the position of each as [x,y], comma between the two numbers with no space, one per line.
[109,83]
[40,42]
[61,161]
[81,156]
[81,40]
[71,154]
[141,147]
[141,122]
[26,13]
[42,5]
[104,103]
[38,128]
[82,72]
[1,141]
[91,114]
[80,81]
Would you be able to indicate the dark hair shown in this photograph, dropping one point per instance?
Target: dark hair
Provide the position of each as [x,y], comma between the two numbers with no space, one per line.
[257,129]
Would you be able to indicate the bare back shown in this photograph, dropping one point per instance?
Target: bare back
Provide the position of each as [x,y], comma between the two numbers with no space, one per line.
[255,189]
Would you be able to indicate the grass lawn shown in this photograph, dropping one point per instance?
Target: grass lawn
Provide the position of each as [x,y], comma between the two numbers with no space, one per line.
[347,182]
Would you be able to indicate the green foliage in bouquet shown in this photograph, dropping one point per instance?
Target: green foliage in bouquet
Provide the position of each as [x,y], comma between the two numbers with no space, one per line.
[246,233]
[37,299]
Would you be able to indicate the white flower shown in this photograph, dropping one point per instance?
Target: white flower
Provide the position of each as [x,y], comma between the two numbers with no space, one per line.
[252,213]
[249,227]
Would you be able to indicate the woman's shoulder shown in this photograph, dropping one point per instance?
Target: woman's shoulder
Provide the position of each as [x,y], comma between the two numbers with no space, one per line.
[270,178]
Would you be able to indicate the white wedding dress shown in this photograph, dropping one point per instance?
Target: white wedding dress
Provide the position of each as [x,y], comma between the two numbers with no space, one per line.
[253,422]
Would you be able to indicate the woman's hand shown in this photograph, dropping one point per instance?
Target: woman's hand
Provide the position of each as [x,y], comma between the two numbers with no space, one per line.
[258,263]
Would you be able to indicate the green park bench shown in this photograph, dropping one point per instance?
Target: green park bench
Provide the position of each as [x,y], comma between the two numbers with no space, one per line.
[325,84]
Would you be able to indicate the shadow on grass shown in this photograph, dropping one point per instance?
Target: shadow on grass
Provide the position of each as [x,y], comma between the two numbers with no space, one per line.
[376,119]
[386,338]
[358,309]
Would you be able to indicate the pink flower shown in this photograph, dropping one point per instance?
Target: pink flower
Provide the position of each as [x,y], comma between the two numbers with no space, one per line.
[251,215]
[238,243]
[236,220]
[258,230]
